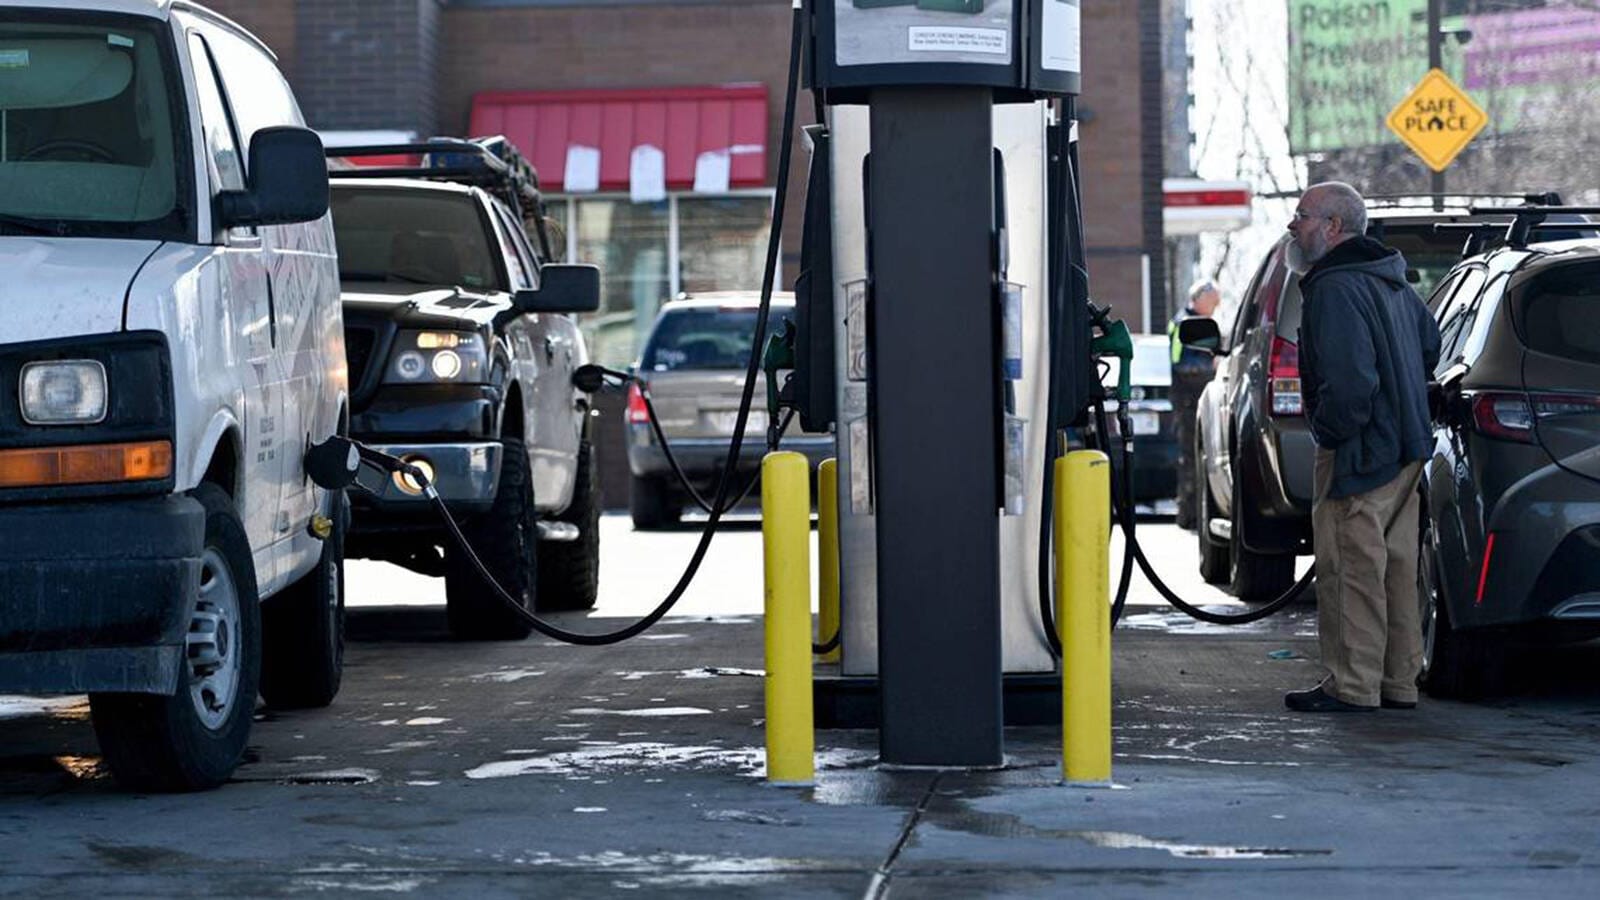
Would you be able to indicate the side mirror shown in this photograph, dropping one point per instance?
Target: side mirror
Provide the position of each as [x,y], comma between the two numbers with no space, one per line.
[589,378]
[288,181]
[563,288]
[1201,333]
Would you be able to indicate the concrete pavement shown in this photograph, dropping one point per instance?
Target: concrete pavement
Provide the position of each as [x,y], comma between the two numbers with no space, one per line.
[536,768]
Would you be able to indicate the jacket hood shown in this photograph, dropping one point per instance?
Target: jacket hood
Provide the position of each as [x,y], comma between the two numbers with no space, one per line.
[64,287]
[1361,254]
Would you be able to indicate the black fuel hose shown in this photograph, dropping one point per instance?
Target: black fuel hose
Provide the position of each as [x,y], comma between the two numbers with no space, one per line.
[725,480]
[1133,551]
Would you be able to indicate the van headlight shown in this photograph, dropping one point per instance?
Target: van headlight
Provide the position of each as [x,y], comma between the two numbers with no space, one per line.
[438,357]
[64,392]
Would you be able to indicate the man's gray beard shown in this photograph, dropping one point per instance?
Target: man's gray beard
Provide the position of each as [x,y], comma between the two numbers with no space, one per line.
[1301,261]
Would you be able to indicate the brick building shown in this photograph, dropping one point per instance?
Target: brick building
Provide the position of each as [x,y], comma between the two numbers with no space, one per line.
[555,73]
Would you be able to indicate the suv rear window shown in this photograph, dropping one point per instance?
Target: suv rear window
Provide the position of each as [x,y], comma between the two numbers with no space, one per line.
[1560,313]
[691,339]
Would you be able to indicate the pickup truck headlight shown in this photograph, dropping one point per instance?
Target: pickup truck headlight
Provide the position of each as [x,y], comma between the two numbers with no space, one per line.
[438,357]
[64,392]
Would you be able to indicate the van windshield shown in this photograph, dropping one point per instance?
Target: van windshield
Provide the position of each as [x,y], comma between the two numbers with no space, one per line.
[88,141]
[413,237]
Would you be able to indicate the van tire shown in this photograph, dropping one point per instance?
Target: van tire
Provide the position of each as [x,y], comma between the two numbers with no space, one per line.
[161,743]
[651,504]
[569,571]
[506,539]
[302,629]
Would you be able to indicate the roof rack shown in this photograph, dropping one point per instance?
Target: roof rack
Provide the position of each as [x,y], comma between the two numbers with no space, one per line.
[1543,198]
[491,163]
[1528,218]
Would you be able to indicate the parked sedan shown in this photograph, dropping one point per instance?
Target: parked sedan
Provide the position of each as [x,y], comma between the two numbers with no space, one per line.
[1511,542]
[694,364]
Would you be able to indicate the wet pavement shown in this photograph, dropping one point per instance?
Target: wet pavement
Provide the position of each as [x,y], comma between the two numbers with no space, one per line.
[535,768]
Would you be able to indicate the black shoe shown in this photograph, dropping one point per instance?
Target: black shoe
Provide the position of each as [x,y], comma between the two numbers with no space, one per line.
[1386,703]
[1319,700]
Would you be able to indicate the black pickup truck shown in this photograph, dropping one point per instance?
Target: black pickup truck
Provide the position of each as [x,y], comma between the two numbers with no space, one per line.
[461,344]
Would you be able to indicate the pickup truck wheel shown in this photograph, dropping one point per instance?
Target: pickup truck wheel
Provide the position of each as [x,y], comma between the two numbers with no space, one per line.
[1214,561]
[1257,577]
[506,540]
[302,629]
[194,738]
[569,571]
[651,504]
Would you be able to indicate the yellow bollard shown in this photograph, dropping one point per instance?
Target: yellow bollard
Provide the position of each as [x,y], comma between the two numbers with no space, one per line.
[786,542]
[1083,614]
[828,556]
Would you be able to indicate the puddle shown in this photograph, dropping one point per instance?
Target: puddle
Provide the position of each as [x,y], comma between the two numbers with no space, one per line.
[746,817]
[677,869]
[332,776]
[701,672]
[426,720]
[651,712]
[17,707]
[505,676]
[363,886]
[1122,840]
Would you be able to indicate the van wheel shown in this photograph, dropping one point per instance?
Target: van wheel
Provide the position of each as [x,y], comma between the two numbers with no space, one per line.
[1215,566]
[651,504]
[506,539]
[193,739]
[302,629]
[569,571]
[1466,665]
[1257,577]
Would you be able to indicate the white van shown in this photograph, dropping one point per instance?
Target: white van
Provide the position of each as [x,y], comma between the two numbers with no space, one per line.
[170,345]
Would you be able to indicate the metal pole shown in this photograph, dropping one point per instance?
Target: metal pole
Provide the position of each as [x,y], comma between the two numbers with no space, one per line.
[1083,614]
[1436,61]
[934,385]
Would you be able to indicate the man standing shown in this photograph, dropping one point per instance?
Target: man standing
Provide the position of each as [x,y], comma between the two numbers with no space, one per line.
[1367,345]
[1191,371]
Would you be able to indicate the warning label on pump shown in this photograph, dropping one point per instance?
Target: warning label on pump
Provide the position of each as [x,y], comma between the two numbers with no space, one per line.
[925,39]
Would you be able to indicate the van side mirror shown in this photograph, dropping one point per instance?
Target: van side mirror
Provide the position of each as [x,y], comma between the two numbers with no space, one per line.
[1201,333]
[288,181]
[563,288]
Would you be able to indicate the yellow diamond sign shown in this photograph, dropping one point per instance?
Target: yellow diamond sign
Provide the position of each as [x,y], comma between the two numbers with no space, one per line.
[1437,120]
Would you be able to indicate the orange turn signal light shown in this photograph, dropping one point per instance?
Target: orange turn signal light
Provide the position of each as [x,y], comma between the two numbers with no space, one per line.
[90,464]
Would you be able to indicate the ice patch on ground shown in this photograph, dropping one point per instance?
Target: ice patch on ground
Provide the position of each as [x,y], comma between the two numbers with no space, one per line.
[651,712]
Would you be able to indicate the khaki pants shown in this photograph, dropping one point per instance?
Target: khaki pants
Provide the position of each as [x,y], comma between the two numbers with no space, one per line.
[1368,618]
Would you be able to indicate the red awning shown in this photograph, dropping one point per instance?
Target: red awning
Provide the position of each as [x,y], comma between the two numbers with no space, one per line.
[682,122]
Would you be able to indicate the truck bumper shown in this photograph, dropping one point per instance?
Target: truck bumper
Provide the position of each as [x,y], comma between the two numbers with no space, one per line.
[95,596]
[466,475]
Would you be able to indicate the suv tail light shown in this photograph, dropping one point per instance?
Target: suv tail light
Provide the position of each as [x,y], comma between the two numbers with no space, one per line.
[1283,379]
[1508,415]
[637,413]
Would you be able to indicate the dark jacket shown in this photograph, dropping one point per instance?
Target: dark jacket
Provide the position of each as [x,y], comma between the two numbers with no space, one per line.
[1367,348]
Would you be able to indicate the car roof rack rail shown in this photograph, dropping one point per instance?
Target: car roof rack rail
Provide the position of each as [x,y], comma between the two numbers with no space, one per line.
[1525,219]
[492,163]
[1425,201]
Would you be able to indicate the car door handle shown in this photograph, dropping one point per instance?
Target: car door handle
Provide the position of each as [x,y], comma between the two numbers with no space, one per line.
[549,348]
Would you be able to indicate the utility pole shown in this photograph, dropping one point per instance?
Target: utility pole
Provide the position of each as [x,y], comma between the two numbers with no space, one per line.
[1436,61]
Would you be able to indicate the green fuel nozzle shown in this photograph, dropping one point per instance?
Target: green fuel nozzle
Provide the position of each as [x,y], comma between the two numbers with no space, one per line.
[1116,340]
[778,355]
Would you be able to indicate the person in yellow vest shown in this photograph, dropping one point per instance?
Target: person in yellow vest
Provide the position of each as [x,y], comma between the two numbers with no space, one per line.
[1191,371]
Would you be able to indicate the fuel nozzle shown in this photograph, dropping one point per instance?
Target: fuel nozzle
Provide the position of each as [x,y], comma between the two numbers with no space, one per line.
[777,356]
[1115,340]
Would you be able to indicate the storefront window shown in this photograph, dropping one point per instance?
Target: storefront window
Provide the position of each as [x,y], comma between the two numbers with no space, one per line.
[628,241]
[723,242]
[721,246]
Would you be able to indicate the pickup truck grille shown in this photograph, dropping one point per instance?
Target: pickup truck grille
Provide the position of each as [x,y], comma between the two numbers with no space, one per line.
[366,346]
